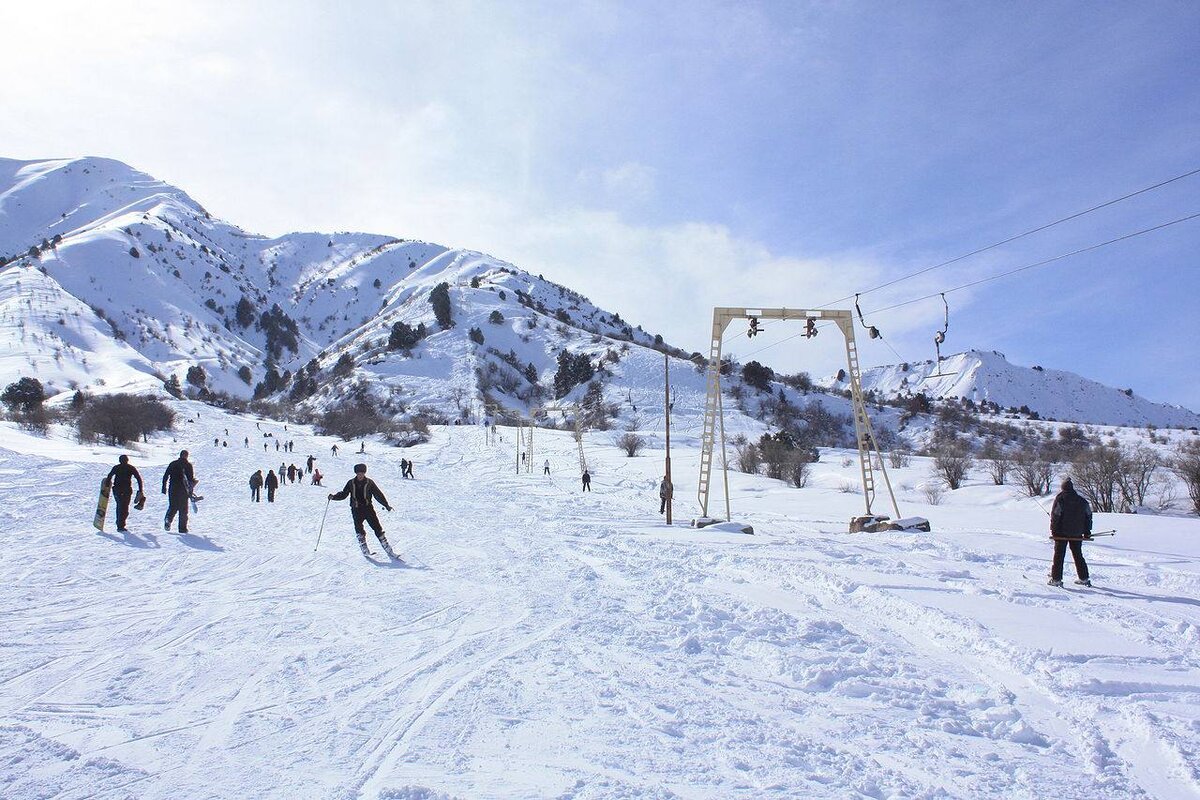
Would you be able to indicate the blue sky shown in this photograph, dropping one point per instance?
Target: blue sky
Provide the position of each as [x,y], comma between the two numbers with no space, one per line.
[663,158]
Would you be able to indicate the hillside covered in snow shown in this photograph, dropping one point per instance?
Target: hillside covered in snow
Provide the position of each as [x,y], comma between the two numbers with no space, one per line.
[989,380]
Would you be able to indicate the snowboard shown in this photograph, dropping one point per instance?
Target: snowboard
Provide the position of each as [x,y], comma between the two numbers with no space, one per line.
[193,497]
[102,504]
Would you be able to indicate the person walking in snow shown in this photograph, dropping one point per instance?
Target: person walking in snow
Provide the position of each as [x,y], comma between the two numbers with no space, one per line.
[316,477]
[587,481]
[256,483]
[361,489]
[182,479]
[333,449]
[291,473]
[247,441]
[272,483]
[311,461]
[406,469]
[121,478]
[665,492]
[1070,524]
[546,467]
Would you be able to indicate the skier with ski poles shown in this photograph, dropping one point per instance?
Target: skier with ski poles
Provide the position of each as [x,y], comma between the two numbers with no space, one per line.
[361,489]
[1070,524]
[182,480]
[121,479]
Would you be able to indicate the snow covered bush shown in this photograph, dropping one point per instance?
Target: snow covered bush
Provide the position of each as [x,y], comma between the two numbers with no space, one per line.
[120,418]
[952,461]
[631,443]
[1186,465]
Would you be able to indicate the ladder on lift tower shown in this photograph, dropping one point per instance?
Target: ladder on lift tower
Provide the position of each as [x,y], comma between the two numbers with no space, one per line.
[712,418]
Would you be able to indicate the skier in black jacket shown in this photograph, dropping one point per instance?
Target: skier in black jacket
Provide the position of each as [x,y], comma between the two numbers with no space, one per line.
[1070,524]
[182,479]
[272,484]
[121,477]
[360,489]
[256,484]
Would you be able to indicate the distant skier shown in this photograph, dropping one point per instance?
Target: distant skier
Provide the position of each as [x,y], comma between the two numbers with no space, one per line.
[182,480]
[316,477]
[311,461]
[587,481]
[333,449]
[122,476]
[256,484]
[362,447]
[360,489]
[272,484]
[276,445]
[247,441]
[406,469]
[1070,524]
[665,492]
[291,473]
[546,467]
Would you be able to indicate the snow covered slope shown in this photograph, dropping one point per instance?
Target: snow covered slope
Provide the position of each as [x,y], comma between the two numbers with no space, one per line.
[1053,394]
[127,258]
[543,643]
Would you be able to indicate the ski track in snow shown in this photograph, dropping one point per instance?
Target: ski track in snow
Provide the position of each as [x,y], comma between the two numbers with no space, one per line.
[541,642]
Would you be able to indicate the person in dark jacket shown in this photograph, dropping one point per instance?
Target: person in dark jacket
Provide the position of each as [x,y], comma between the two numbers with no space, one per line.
[121,478]
[182,480]
[1070,524]
[256,484]
[291,473]
[360,489]
[665,492]
[272,484]
[587,481]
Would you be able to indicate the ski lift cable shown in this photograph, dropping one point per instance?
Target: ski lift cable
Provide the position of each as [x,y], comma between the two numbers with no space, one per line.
[1042,263]
[1015,237]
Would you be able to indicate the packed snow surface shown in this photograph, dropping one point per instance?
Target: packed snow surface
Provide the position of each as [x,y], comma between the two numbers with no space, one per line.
[541,642]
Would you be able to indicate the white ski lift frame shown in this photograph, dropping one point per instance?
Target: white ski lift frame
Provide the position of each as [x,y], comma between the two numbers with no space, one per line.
[939,338]
[714,419]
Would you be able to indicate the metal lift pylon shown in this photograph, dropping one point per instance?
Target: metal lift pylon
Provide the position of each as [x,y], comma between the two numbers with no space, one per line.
[714,423]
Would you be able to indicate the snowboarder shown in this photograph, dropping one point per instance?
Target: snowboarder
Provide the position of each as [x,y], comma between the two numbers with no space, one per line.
[256,483]
[122,476]
[546,467]
[182,479]
[1070,524]
[665,492]
[587,481]
[272,484]
[360,489]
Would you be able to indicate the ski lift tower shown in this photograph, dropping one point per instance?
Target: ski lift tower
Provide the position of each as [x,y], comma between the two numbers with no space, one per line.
[563,408]
[714,422]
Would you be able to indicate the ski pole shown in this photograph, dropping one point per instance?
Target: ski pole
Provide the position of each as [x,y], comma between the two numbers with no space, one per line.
[322,528]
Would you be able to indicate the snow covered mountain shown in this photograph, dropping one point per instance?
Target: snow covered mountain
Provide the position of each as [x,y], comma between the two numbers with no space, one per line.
[1054,394]
[112,279]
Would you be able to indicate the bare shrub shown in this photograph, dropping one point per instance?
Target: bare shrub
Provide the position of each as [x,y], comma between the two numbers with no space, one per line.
[354,421]
[934,490]
[1137,474]
[121,418]
[748,457]
[1186,464]
[1033,470]
[801,470]
[846,487]
[997,462]
[631,443]
[1096,472]
[898,458]
[952,461]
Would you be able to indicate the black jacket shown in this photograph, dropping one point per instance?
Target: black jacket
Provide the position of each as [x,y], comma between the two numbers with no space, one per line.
[179,473]
[360,494]
[272,480]
[1071,515]
[122,476]
[256,480]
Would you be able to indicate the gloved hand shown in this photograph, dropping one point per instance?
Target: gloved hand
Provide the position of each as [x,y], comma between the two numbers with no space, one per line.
[330,496]
[389,508]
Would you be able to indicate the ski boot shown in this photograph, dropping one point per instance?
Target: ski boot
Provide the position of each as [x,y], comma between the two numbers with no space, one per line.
[1083,581]
[387,548]
[1053,582]
[366,551]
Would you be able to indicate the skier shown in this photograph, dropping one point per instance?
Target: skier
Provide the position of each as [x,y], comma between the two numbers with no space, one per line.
[291,473]
[247,441]
[333,449]
[1070,524]
[256,483]
[546,467]
[360,489]
[362,447]
[587,481]
[665,492]
[406,469]
[311,461]
[276,445]
[316,477]
[272,484]
[121,477]
[182,479]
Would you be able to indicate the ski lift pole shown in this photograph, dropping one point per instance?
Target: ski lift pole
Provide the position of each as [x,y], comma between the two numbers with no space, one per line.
[667,409]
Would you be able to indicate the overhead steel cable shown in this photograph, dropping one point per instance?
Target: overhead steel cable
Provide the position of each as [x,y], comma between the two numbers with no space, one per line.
[1015,237]
[997,276]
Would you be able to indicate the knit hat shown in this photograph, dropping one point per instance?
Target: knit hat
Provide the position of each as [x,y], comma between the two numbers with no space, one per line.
[1067,484]
[360,468]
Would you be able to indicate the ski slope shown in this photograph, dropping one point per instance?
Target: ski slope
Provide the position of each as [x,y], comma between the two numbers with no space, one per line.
[542,643]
